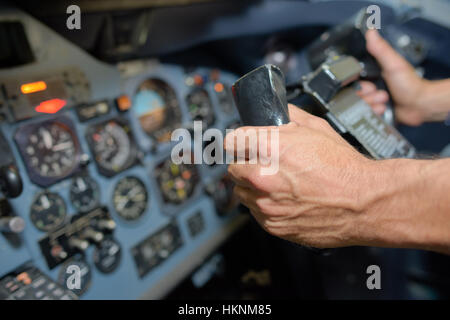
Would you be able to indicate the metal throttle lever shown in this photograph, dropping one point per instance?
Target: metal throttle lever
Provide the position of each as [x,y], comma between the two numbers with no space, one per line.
[260,97]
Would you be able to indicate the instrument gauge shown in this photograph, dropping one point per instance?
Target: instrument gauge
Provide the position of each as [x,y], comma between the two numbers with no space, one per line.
[84,193]
[157,108]
[113,146]
[107,255]
[48,211]
[200,107]
[130,198]
[176,182]
[50,149]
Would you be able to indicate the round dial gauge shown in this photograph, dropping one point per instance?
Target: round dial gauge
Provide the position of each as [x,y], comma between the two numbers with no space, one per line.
[107,255]
[177,182]
[75,266]
[84,193]
[130,198]
[200,107]
[157,109]
[48,211]
[112,146]
[51,150]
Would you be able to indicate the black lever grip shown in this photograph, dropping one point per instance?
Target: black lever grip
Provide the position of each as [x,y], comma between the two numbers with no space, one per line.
[10,181]
[260,97]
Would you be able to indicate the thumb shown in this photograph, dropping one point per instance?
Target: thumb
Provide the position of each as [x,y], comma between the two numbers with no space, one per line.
[389,59]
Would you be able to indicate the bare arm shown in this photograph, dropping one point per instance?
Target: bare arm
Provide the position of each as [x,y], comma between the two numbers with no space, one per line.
[408,205]
[326,194]
[416,100]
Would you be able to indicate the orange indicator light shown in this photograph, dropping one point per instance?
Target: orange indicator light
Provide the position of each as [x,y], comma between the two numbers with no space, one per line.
[50,106]
[218,87]
[33,87]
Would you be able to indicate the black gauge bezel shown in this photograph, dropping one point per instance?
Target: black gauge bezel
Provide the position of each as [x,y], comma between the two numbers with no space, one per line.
[132,157]
[21,138]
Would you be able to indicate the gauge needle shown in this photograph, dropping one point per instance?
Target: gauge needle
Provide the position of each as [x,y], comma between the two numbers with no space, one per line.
[45,202]
[47,137]
[81,185]
[133,192]
[122,203]
[62,146]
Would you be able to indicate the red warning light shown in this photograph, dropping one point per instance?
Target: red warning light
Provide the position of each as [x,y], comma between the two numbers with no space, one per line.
[51,106]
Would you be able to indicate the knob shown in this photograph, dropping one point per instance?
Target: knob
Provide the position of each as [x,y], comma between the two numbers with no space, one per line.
[106,224]
[78,243]
[260,97]
[10,181]
[58,252]
[93,235]
[12,224]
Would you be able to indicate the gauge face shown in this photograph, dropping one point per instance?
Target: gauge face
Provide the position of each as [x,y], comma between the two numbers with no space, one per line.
[200,107]
[113,147]
[48,211]
[130,198]
[177,182]
[84,193]
[50,149]
[107,255]
[75,275]
[157,109]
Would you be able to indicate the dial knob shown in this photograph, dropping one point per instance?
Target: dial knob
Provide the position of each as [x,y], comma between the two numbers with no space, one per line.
[106,224]
[93,235]
[79,244]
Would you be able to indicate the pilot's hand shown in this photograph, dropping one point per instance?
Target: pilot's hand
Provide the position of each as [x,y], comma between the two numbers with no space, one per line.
[321,191]
[406,87]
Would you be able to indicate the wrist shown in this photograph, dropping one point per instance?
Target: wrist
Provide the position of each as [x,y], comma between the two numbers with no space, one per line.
[433,100]
[386,218]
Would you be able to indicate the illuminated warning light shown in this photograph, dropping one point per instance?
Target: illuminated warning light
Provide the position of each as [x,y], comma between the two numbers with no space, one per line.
[218,87]
[123,103]
[51,106]
[33,87]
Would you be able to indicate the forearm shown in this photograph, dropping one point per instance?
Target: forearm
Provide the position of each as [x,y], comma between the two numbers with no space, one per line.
[409,205]
[435,99]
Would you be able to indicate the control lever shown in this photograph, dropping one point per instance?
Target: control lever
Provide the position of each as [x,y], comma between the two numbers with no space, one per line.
[10,180]
[260,97]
